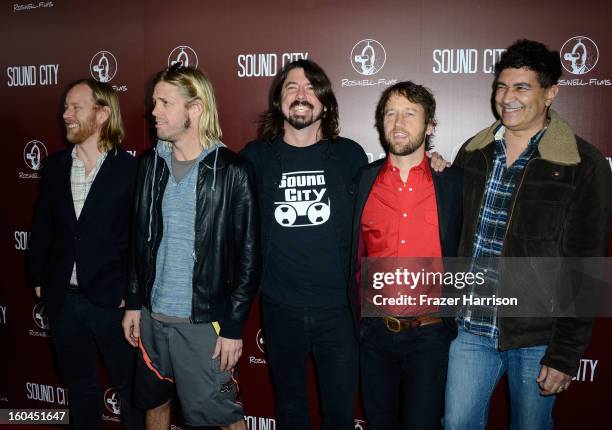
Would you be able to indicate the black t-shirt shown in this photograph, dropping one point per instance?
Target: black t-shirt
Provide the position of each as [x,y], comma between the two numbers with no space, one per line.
[303,264]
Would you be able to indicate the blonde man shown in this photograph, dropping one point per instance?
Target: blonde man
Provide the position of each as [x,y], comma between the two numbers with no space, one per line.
[194,261]
[79,249]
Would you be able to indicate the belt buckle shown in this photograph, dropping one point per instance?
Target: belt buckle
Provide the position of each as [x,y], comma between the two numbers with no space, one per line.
[393,324]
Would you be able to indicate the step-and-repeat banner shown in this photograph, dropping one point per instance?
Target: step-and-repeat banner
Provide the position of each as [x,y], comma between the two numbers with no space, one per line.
[364,45]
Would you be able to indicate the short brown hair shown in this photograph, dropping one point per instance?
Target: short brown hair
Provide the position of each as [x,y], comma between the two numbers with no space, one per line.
[416,94]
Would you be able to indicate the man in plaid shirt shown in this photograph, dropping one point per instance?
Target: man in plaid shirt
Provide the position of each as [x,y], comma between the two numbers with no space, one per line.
[532,188]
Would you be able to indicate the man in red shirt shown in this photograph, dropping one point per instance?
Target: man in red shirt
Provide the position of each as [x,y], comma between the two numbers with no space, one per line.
[404,209]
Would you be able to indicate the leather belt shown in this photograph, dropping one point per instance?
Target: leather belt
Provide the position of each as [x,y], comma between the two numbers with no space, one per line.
[395,325]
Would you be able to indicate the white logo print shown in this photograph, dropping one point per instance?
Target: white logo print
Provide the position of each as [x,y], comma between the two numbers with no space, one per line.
[360,424]
[183,55]
[368,57]
[40,316]
[303,194]
[112,401]
[579,55]
[261,344]
[34,153]
[103,66]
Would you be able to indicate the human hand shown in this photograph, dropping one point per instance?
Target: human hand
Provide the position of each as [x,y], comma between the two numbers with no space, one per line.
[552,381]
[229,350]
[131,327]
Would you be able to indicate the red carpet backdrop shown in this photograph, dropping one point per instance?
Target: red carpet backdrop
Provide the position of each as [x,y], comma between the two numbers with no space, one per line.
[364,45]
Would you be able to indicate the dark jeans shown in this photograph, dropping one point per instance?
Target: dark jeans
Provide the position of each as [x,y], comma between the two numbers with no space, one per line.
[403,375]
[82,329]
[291,335]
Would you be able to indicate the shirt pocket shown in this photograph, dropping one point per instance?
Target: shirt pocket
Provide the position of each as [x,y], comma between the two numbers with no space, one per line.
[538,220]
[431,218]
[375,235]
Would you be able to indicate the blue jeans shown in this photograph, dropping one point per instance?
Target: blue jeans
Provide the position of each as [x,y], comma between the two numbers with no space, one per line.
[474,369]
[292,334]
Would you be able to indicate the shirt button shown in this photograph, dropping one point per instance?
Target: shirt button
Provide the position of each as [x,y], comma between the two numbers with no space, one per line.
[402,241]
[405,214]
[409,189]
[399,189]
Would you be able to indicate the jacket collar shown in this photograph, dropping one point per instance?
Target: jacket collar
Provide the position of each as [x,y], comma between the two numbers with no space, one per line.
[558,145]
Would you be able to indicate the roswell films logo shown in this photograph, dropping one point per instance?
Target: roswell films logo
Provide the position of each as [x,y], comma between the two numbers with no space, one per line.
[184,55]
[103,66]
[34,153]
[261,345]
[368,57]
[579,56]
[112,402]
[39,315]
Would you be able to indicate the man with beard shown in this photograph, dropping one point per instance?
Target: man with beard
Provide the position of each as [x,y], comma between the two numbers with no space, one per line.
[78,252]
[403,209]
[304,174]
[193,260]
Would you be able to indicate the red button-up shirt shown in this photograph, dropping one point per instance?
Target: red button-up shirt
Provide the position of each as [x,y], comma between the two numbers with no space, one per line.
[401,220]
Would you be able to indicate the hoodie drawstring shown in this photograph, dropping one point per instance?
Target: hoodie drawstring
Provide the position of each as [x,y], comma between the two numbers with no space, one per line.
[212,188]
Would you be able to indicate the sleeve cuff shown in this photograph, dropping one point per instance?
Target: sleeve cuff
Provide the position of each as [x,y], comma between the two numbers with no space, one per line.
[231,329]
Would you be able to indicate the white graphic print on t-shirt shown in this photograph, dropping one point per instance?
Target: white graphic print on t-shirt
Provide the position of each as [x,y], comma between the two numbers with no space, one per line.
[305,203]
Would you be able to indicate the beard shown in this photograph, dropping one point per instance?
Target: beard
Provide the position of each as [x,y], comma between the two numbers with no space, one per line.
[406,148]
[300,122]
[85,130]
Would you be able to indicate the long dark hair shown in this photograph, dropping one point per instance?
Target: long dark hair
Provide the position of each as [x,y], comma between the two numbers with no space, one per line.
[271,122]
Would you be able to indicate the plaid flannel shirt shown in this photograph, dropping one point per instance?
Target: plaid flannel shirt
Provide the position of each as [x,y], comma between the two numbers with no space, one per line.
[491,230]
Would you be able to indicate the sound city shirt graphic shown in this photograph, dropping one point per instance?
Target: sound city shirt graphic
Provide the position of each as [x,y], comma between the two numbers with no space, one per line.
[304,202]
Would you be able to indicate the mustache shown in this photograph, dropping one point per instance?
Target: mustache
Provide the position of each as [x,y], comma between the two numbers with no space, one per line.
[297,103]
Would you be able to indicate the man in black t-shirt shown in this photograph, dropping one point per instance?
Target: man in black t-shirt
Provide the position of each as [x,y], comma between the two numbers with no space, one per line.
[304,173]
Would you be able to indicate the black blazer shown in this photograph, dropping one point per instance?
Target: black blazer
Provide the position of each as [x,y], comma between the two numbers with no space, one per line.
[97,241]
[448,186]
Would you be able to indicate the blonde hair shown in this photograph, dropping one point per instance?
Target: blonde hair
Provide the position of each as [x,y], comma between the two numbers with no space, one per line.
[112,133]
[196,86]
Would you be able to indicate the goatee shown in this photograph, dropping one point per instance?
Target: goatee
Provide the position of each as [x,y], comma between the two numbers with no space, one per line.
[300,122]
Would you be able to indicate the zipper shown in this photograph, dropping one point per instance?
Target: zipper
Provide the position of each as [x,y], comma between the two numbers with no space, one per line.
[513,204]
[482,198]
[155,246]
[197,239]
[516,192]
[481,201]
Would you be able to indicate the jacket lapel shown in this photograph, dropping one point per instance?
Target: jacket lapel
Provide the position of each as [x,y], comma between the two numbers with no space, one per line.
[66,188]
[367,182]
[442,202]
